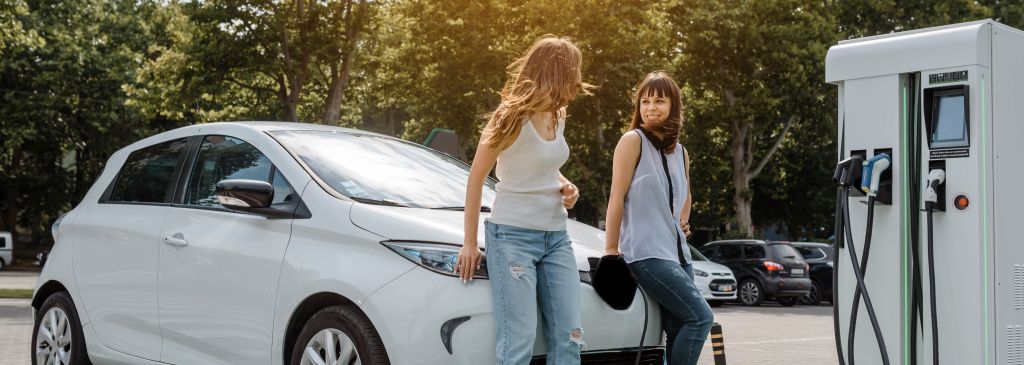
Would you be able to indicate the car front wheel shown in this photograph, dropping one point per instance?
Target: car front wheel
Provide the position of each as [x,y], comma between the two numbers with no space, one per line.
[751,292]
[58,333]
[339,335]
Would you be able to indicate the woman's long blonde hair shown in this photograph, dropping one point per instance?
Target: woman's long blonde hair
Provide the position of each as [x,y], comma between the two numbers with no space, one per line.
[544,79]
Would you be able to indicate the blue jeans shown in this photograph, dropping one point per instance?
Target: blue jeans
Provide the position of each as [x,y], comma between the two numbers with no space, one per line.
[530,268]
[685,316]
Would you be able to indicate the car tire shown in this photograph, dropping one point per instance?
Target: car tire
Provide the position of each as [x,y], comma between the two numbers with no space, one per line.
[788,301]
[345,327]
[3,265]
[751,293]
[64,330]
[813,296]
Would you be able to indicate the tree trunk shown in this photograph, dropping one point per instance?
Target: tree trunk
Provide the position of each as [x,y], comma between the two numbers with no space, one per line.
[336,94]
[355,19]
[741,198]
[741,145]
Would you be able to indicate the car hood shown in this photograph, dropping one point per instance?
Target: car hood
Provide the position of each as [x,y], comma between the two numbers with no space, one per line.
[446,226]
[711,267]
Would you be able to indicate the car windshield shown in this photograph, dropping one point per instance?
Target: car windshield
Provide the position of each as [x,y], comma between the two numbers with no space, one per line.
[783,251]
[382,170]
[696,255]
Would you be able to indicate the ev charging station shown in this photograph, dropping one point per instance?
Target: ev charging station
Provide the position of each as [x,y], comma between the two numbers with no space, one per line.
[930,229]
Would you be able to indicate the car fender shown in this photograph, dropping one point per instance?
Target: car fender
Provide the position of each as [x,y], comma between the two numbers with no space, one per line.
[327,254]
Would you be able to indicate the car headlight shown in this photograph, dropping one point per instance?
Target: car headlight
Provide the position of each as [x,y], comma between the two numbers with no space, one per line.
[436,257]
[700,273]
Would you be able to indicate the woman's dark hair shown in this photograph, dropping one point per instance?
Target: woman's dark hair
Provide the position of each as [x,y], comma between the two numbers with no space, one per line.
[660,84]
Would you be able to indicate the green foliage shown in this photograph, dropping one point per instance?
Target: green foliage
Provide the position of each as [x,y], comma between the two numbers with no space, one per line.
[82,78]
[752,67]
[447,64]
[62,101]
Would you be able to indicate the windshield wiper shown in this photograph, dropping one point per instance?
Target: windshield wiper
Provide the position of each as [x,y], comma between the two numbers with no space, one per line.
[483,208]
[378,202]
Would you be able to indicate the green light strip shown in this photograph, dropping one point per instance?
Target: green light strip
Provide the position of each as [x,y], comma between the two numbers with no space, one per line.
[906,221]
[984,212]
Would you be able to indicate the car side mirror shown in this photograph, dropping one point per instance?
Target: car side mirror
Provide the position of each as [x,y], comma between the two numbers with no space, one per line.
[244,195]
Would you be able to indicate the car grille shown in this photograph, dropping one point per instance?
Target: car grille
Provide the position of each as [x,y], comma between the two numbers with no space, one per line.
[723,282]
[649,356]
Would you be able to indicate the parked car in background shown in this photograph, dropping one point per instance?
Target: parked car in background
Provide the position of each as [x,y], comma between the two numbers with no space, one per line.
[716,282]
[766,271]
[41,257]
[6,249]
[287,243]
[820,258]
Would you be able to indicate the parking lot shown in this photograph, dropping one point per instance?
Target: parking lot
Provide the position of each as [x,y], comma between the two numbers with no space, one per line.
[770,334]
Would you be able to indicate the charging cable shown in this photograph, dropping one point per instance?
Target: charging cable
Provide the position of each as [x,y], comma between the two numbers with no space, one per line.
[848,173]
[936,178]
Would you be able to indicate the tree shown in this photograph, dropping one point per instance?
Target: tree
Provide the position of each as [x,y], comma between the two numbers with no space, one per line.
[63,104]
[278,50]
[751,65]
[449,58]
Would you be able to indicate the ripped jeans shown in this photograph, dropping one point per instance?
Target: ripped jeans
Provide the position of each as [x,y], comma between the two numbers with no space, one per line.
[530,268]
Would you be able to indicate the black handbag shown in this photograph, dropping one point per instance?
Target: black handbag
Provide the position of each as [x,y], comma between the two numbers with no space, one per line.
[614,282]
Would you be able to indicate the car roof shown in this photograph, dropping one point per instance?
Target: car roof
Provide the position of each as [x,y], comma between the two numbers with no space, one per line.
[258,126]
[808,244]
[272,126]
[732,242]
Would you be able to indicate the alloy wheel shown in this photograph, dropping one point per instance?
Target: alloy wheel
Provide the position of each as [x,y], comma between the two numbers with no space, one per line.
[811,297]
[330,347]
[749,293]
[53,341]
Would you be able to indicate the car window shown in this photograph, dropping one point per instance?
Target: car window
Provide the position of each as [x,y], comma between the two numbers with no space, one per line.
[783,251]
[229,158]
[147,173]
[383,169]
[696,255]
[811,253]
[709,251]
[3,242]
[753,251]
[730,252]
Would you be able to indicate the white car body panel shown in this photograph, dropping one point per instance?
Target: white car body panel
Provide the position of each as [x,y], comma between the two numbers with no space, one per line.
[715,271]
[7,249]
[229,296]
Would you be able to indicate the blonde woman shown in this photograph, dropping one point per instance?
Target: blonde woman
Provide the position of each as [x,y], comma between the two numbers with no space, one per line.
[648,214]
[529,258]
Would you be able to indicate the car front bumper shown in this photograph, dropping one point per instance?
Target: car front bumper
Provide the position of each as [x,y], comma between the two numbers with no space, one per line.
[410,311]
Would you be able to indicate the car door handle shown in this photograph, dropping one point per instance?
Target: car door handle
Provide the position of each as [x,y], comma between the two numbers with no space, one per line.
[176,240]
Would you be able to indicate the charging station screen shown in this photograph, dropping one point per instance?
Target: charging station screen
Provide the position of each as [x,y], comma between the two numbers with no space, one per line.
[949,124]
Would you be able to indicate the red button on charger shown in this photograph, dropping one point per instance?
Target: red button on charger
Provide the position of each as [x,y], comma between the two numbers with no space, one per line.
[961,202]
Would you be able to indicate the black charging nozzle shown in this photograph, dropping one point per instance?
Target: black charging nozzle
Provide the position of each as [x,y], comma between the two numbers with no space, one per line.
[848,172]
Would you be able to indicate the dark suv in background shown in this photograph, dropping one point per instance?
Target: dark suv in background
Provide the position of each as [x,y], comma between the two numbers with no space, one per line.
[819,256]
[765,270]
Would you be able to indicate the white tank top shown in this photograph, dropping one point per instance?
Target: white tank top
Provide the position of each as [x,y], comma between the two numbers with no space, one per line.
[528,191]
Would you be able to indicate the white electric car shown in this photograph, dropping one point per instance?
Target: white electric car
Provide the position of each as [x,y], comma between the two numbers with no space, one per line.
[716,281]
[285,243]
